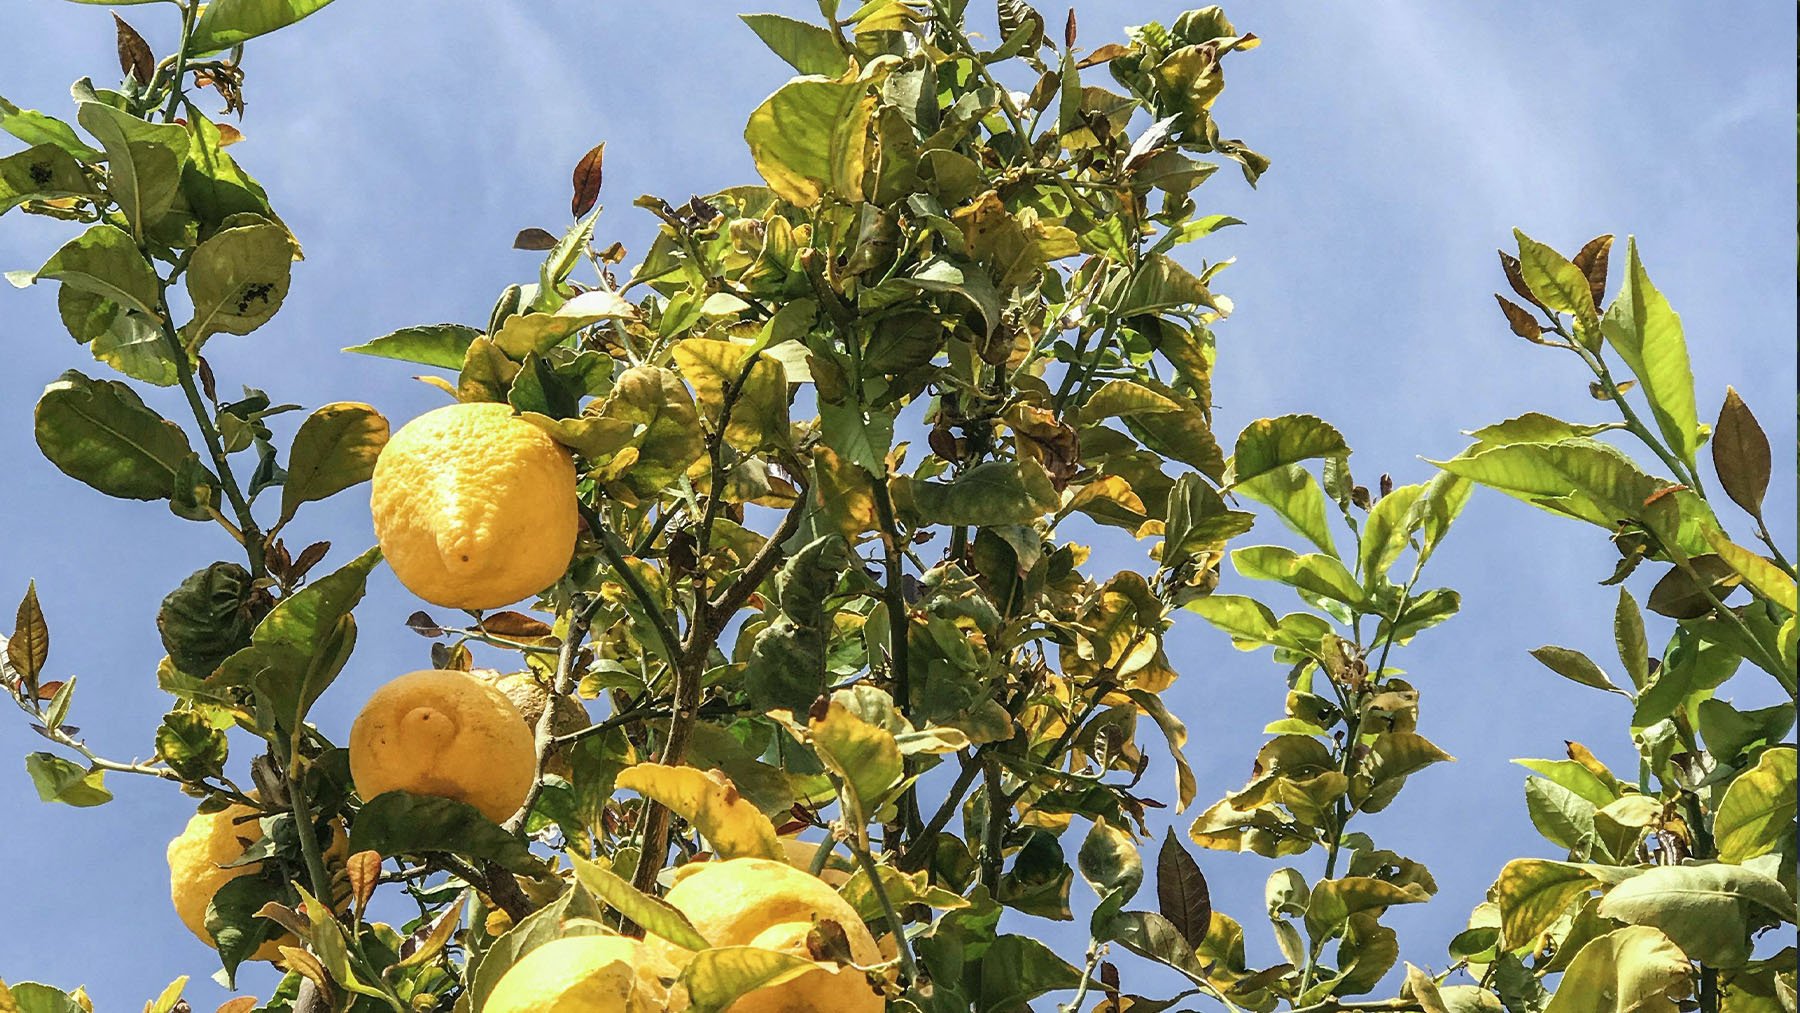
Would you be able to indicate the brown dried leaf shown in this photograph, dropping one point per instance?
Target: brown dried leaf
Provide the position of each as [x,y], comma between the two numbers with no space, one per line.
[228,134]
[421,623]
[1519,319]
[1592,260]
[516,626]
[587,181]
[242,1004]
[1069,30]
[1181,893]
[1740,453]
[364,868]
[135,59]
[534,239]
[29,646]
[308,558]
[1105,54]
[1515,276]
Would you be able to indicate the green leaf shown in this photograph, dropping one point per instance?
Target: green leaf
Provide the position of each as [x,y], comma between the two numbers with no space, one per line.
[232,922]
[335,449]
[36,128]
[865,757]
[99,432]
[238,279]
[131,344]
[33,997]
[718,977]
[991,493]
[943,274]
[1740,453]
[401,823]
[59,780]
[191,746]
[1297,499]
[45,172]
[1559,285]
[1756,815]
[1109,861]
[208,617]
[1436,509]
[809,49]
[1564,818]
[1628,635]
[1268,445]
[105,261]
[1635,969]
[1388,531]
[1646,332]
[653,914]
[1314,572]
[1707,910]
[1576,667]
[143,161]
[1160,285]
[227,23]
[441,345]
[1533,427]
[810,138]
[307,625]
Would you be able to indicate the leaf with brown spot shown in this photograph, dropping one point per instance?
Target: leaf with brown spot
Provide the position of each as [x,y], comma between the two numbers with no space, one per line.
[1181,893]
[1592,260]
[135,59]
[587,181]
[1740,453]
[534,239]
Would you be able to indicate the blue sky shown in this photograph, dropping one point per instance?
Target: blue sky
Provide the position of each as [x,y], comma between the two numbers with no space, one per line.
[406,141]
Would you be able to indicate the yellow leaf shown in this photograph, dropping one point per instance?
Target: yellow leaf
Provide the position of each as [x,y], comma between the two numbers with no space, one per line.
[708,800]
[1762,576]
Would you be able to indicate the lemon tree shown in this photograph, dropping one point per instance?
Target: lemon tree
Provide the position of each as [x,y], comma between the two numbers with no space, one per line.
[813,700]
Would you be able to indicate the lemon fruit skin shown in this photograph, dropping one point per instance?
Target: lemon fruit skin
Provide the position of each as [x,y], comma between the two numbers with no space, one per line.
[589,974]
[209,841]
[474,508]
[448,734]
[529,692]
[769,904]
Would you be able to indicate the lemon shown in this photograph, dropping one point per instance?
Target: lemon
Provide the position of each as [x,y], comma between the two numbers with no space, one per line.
[769,904]
[197,857]
[800,855]
[448,734]
[589,974]
[474,507]
[529,691]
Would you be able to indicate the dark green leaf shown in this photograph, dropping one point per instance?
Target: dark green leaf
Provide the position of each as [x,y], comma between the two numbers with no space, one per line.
[993,492]
[400,823]
[190,745]
[99,432]
[208,617]
[335,449]
[232,922]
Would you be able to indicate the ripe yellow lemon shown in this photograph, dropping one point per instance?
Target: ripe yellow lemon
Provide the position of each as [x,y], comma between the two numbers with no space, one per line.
[448,734]
[474,508]
[590,974]
[759,902]
[196,859]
